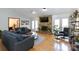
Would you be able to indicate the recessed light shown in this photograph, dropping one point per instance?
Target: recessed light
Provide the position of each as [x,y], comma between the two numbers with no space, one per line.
[33,12]
[44,9]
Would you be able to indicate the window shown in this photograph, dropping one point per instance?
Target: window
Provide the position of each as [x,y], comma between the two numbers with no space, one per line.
[13,23]
[61,23]
[33,26]
[65,23]
[36,25]
[57,23]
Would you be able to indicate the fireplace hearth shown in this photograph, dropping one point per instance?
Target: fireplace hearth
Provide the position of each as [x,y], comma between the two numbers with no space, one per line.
[44,28]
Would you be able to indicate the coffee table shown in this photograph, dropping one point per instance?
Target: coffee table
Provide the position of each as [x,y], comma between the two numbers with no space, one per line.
[35,35]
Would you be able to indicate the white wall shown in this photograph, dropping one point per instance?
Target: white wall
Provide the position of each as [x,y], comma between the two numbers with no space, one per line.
[61,16]
[4,14]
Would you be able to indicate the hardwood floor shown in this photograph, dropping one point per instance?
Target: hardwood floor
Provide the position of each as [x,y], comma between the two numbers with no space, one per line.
[49,44]
[2,47]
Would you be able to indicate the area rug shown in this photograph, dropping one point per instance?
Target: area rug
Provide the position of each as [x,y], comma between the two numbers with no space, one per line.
[39,40]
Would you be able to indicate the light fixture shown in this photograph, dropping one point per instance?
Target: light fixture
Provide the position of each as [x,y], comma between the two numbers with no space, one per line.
[33,12]
[44,9]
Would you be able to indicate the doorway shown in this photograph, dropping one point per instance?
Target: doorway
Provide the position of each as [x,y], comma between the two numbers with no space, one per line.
[13,23]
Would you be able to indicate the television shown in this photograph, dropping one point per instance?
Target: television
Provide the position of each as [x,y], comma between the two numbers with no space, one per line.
[44,19]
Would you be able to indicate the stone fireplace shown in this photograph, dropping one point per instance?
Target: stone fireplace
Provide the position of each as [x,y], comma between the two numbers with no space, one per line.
[45,26]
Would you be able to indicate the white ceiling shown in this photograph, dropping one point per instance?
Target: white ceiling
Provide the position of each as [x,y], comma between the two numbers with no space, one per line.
[27,12]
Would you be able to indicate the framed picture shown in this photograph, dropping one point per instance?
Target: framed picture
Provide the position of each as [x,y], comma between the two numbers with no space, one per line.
[24,22]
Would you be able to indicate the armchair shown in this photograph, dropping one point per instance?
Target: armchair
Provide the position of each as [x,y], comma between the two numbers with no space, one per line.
[64,33]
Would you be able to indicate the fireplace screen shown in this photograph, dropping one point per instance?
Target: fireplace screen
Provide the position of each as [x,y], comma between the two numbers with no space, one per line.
[44,28]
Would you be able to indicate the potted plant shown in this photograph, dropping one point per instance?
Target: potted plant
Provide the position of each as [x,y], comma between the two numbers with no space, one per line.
[56,29]
[77,39]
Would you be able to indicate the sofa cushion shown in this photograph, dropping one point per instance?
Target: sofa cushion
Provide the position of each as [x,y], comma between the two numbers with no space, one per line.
[18,36]
[22,30]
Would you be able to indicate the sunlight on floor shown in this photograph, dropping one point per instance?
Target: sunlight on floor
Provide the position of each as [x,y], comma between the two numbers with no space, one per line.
[60,45]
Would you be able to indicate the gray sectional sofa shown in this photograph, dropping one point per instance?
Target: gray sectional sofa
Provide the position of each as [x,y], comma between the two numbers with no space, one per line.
[16,42]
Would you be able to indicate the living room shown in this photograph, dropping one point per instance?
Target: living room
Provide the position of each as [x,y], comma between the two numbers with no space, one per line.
[37,29]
